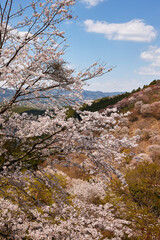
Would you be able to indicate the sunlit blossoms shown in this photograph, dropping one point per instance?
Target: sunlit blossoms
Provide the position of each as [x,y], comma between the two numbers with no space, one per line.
[37,201]
[50,197]
[31,51]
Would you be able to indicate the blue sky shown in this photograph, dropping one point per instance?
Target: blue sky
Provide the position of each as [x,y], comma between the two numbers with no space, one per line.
[121,33]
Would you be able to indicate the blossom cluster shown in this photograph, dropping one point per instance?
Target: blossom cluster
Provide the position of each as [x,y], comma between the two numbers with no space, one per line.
[82,220]
[36,201]
[44,195]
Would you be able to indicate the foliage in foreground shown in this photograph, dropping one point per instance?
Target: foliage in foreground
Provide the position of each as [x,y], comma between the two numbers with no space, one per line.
[140,201]
[145,189]
[39,194]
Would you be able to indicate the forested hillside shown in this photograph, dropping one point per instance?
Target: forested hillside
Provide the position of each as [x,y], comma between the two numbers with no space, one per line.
[67,173]
[111,176]
[139,200]
[102,103]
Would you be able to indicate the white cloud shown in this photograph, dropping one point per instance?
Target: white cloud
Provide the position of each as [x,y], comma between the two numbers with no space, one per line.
[92,3]
[134,30]
[16,34]
[149,71]
[153,57]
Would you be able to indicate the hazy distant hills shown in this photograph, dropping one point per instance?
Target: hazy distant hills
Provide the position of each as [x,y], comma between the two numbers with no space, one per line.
[92,95]
[6,93]
[88,95]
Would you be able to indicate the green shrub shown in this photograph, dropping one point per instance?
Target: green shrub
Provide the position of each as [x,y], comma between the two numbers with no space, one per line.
[139,202]
[71,113]
[15,149]
[144,185]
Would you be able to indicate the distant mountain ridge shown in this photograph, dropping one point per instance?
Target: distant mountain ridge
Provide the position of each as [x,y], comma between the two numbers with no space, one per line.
[88,95]
[92,95]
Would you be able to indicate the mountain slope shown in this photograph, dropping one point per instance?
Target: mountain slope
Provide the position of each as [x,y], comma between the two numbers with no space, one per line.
[87,95]
[126,100]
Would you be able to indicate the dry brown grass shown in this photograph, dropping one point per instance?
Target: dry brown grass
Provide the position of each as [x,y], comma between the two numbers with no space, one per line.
[74,171]
[149,127]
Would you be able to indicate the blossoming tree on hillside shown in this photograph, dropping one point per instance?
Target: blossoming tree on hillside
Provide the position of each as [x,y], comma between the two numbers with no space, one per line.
[31,50]
[34,198]
[31,64]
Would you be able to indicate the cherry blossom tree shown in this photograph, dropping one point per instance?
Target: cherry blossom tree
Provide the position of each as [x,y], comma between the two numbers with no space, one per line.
[37,203]
[31,64]
[31,50]
[35,199]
